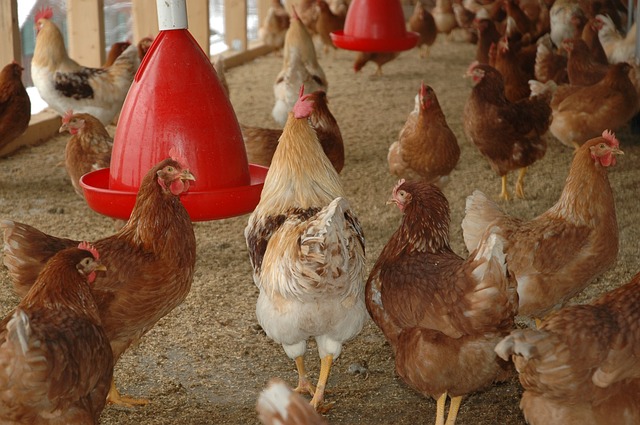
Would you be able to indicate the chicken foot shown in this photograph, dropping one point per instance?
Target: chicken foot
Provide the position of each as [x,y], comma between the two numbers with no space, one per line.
[318,398]
[304,386]
[453,409]
[505,193]
[114,397]
[520,183]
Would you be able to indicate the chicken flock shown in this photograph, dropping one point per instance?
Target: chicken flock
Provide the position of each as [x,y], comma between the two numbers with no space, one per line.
[455,322]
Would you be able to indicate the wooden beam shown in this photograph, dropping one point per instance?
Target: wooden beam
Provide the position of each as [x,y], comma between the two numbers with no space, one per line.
[235,24]
[145,19]
[85,24]
[198,16]
[10,30]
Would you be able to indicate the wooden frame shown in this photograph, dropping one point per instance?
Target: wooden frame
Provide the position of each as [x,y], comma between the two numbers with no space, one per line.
[87,43]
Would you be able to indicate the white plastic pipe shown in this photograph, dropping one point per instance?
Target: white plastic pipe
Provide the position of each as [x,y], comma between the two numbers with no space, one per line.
[172,14]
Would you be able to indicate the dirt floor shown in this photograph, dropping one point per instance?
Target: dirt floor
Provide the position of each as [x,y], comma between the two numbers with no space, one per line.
[207,361]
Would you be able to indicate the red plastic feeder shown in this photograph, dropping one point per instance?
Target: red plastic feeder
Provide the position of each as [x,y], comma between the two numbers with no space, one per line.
[176,101]
[375,26]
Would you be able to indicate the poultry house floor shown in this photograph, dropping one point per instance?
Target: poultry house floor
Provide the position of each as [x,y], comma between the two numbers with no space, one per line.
[206,362]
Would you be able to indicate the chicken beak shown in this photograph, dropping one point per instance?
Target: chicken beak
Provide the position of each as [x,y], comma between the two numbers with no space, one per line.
[101,268]
[617,151]
[63,128]
[186,175]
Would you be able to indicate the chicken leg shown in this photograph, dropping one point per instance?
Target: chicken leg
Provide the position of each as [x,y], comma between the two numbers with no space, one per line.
[520,183]
[304,386]
[453,410]
[442,400]
[318,398]
[114,397]
[505,193]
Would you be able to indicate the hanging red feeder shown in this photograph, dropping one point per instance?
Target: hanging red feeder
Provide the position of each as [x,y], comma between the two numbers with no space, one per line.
[176,101]
[375,26]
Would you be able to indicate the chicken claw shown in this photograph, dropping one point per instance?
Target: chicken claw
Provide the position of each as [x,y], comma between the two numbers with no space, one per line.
[304,386]
[318,398]
[505,193]
[453,409]
[520,183]
[114,397]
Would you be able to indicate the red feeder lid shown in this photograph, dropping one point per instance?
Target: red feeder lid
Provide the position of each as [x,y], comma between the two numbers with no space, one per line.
[375,26]
[176,101]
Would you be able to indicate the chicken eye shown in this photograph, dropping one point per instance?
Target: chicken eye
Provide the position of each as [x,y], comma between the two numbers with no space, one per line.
[602,146]
[170,169]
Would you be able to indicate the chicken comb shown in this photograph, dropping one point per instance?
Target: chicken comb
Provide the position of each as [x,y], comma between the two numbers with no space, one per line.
[471,68]
[178,156]
[67,116]
[303,107]
[44,13]
[423,89]
[611,139]
[397,186]
[88,247]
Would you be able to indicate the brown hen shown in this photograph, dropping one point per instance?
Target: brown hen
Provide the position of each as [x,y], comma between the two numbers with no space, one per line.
[379,58]
[442,314]
[89,147]
[557,254]
[15,107]
[426,148]
[55,359]
[326,23]
[582,367]
[422,22]
[582,68]
[508,134]
[150,260]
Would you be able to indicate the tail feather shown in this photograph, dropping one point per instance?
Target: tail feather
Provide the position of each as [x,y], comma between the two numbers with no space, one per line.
[480,211]
[26,251]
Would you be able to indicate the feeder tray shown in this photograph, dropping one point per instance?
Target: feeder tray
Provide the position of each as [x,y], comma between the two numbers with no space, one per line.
[375,26]
[177,102]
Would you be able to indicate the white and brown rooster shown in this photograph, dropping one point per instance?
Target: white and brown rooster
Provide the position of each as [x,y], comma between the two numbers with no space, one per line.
[307,252]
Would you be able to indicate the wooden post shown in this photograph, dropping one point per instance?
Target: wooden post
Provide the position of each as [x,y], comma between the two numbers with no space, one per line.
[198,16]
[145,19]
[85,23]
[10,49]
[235,24]
[263,8]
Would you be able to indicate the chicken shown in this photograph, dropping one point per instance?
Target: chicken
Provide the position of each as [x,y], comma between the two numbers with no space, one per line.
[508,134]
[443,16]
[379,58]
[426,147]
[307,250]
[55,359]
[523,24]
[261,143]
[275,25]
[422,22]
[590,36]
[327,23]
[300,67]
[442,314]
[582,68]
[581,366]
[567,18]
[15,106]
[516,79]
[550,64]
[557,254]
[308,12]
[88,149]
[116,50]
[150,260]
[64,84]
[617,48]
[487,35]
[278,405]
[586,111]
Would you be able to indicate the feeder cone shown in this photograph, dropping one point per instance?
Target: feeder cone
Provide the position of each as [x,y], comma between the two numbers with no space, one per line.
[177,102]
[375,26]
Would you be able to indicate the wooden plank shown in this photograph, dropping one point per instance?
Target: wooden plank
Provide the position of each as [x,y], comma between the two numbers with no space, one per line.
[145,19]
[235,24]
[10,49]
[85,26]
[255,50]
[42,127]
[198,16]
